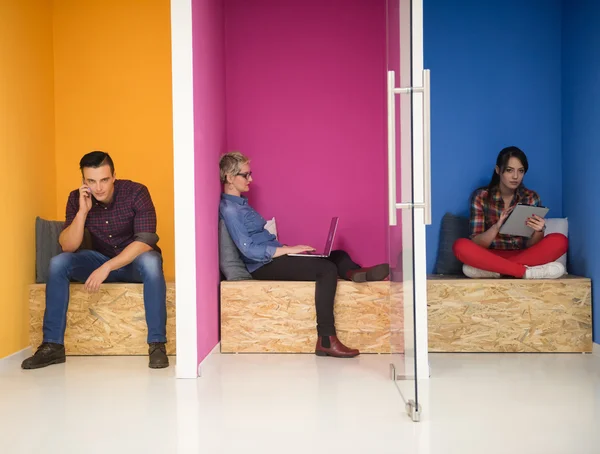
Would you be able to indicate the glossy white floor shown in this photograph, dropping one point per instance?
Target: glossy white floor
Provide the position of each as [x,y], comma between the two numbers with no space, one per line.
[302,404]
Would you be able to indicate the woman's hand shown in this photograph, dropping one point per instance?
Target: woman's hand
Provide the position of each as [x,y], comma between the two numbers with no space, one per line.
[536,223]
[504,216]
[285,250]
[299,249]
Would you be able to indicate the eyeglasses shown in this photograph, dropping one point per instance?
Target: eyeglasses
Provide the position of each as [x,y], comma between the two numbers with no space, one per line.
[246,175]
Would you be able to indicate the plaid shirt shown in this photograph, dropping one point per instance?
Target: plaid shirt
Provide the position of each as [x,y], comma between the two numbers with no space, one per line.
[129,217]
[486,211]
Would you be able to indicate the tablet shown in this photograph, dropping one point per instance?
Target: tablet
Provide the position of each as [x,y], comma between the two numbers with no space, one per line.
[515,224]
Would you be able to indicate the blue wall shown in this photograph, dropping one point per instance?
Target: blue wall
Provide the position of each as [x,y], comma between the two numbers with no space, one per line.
[496,81]
[581,140]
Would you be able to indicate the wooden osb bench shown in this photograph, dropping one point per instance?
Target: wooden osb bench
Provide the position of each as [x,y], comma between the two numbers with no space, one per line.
[109,322]
[279,317]
[464,315]
[509,315]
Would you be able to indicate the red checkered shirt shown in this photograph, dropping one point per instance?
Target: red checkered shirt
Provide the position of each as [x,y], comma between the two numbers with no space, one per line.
[129,217]
[486,211]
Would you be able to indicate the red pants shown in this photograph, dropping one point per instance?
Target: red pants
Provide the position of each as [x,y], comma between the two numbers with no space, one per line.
[511,263]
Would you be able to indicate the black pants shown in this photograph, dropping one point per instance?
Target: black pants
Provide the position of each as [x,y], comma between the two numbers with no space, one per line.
[324,271]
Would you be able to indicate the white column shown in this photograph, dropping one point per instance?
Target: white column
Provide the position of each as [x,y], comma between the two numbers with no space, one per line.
[183,163]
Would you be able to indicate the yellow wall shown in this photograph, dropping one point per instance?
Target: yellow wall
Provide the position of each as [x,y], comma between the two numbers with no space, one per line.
[113,93]
[77,76]
[27,160]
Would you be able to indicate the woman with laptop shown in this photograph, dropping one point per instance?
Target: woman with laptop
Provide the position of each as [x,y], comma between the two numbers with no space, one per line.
[507,228]
[267,259]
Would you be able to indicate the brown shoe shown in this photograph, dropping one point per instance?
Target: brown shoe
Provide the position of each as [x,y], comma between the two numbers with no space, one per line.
[373,273]
[158,355]
[335,349]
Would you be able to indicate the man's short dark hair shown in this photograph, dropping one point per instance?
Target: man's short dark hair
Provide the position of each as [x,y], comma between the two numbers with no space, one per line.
[97,159]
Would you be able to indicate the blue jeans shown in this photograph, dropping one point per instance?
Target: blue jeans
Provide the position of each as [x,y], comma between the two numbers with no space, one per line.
[77,266]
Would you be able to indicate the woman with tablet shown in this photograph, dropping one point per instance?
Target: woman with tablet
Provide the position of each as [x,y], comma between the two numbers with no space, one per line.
[492,251]
[267,259]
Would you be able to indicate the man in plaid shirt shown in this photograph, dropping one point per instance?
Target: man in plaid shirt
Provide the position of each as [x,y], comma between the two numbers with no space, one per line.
[121,220]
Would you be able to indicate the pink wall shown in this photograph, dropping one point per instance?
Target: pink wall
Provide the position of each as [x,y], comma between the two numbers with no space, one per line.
[210,142]
[393,64]
[305,83]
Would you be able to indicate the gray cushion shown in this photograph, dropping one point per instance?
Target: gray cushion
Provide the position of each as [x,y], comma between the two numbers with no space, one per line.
[46,246]
[230,262]
[453,227]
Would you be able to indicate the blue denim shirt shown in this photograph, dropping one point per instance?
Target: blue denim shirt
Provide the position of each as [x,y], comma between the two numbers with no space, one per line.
[247,230]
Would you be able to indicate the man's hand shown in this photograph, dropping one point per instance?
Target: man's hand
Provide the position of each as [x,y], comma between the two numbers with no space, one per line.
[85,199]
[96,278]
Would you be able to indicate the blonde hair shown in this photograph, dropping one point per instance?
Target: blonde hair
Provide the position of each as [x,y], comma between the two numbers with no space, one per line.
[231,164]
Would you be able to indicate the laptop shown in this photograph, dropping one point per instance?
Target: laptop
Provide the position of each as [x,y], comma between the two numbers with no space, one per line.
[328,244]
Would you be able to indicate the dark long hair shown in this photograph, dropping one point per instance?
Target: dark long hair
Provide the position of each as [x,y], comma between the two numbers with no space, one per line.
[502,163]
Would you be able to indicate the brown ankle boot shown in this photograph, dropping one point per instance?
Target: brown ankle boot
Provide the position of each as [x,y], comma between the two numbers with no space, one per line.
[373,273]
[336,348]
